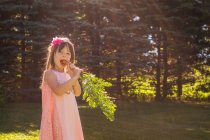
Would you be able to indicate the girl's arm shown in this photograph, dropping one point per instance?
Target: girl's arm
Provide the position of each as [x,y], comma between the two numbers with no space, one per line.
[59,89]
[77,88]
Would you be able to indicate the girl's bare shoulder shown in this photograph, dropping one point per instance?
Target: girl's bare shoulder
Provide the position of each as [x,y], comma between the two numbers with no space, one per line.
[49,75]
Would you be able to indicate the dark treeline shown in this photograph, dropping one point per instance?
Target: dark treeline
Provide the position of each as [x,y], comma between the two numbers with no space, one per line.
[147,48]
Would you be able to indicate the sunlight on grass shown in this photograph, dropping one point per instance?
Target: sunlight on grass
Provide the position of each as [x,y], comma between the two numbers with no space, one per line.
[32,135]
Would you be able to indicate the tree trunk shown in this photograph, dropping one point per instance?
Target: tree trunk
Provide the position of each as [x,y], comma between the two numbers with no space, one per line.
[158,74]
[23,68]
[119,75]
[165,67]
[95,40]
[179,79]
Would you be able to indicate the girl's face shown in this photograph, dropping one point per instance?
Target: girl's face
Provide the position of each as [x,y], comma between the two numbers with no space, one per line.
[62,58]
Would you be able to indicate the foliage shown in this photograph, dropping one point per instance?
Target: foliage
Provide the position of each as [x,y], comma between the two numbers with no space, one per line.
[96,96]
[196,87]
[199,90]
[179,33]
[111,39]
[140,86]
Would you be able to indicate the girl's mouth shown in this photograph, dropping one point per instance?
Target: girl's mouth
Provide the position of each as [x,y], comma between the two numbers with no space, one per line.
[63,62]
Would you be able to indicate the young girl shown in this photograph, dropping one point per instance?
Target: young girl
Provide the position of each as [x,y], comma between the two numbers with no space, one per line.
[60,116]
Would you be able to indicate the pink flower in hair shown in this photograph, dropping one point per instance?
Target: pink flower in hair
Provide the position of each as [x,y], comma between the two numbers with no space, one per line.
[56,41]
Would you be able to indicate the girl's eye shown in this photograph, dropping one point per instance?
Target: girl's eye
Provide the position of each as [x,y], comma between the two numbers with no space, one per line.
[68,53]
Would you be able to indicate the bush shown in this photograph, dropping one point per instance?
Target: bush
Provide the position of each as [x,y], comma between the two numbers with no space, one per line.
[140,87]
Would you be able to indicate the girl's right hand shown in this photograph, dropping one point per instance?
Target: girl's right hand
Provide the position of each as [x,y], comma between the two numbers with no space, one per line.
[74,71]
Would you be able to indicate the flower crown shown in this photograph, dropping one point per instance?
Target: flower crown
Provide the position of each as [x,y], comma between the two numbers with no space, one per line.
[56,41]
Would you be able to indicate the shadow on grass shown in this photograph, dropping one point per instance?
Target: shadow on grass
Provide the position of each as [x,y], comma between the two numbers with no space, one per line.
[134,121]
[150,121]
[22,118]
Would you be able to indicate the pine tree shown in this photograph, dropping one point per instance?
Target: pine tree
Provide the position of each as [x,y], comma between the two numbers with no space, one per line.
[13,48]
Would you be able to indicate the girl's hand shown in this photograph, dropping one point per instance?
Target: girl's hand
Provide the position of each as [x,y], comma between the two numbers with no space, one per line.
[73,71]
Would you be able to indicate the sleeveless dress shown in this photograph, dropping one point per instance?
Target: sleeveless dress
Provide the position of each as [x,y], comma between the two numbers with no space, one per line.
[60,116]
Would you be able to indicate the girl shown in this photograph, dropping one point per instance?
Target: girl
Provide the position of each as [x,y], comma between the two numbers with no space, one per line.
[60,116]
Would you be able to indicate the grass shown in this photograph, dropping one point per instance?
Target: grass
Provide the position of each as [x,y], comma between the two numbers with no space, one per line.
[134,121]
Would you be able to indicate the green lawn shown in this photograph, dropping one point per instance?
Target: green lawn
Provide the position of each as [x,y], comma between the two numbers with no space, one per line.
[134,121]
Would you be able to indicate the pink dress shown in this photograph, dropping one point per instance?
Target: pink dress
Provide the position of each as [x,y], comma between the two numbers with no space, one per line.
[60,116]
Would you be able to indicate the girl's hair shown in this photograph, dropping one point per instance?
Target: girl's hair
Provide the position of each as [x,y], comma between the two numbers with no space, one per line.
[57,44]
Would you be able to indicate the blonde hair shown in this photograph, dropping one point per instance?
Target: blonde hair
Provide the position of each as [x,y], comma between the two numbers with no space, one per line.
[52,49]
